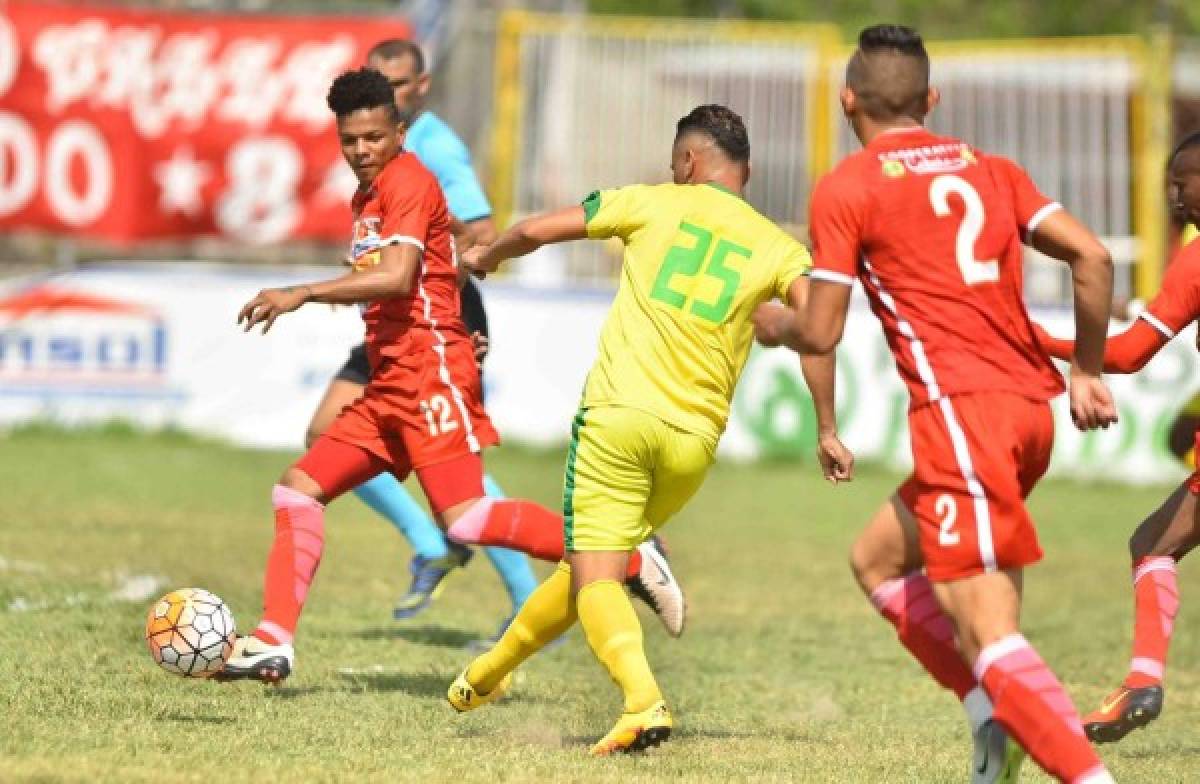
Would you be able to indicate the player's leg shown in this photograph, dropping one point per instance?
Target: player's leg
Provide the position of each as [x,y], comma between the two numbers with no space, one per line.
[326,471]
[887,562]
[632,473]
[977,537]
[433,557]
[1155,548]
[513,569]
[1027,697]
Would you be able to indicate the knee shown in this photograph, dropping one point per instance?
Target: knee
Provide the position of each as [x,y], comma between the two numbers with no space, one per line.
[865,567]
[295,479]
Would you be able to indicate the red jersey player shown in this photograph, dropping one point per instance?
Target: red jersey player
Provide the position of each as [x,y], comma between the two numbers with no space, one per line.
[933,228]
[1172,530]
[421,409]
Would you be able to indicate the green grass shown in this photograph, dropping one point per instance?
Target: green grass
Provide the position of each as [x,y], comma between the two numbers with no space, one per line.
[784,674]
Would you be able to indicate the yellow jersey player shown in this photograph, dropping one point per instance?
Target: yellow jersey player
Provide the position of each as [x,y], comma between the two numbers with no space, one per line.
[698,261]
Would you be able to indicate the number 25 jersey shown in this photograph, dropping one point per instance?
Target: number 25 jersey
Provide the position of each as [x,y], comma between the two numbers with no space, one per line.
[933,228]
[698,260]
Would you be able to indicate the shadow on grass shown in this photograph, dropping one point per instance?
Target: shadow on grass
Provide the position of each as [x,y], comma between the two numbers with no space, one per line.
[419,684]
[438,636]
[200,719]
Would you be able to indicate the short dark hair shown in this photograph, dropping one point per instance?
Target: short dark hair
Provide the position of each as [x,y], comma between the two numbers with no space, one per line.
[364,88]
[889,73]
[722,125]
[392,48]
[1186,143]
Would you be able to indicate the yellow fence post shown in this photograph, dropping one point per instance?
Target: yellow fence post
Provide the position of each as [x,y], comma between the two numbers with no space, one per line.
[506,123]
[1152,137]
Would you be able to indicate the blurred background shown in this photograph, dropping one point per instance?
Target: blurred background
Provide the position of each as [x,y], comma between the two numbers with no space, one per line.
[160,162]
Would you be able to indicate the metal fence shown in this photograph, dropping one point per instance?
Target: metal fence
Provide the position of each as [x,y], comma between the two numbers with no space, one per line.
[591,102]
[587,102]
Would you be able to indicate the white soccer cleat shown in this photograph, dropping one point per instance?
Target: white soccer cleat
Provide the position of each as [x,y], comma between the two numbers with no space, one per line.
[253,659]
[657,587]
[998,757]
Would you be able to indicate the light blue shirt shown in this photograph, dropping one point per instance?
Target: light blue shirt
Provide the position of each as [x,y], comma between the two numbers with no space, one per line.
[444,154]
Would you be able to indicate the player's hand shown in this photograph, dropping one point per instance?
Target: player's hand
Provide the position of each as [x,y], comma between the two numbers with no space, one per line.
[1092,404]
[482,345]
[773,323]
[837,462]
[270,304]
[474,260]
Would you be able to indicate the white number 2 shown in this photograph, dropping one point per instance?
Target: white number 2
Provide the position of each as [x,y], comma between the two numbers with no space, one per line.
[438,415]
[973,270]
[945,508]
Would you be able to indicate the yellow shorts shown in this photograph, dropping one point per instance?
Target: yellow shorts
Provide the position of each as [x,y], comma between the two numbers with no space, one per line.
[627,473]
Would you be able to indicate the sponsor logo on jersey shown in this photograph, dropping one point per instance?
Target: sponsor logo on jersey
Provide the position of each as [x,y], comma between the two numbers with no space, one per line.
[71,339]
[931,159]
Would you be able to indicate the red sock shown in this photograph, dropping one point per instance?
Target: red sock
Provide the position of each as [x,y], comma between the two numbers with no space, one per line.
[1155,602]
[1031,704]
[295,554]
[519,525]
[909,604]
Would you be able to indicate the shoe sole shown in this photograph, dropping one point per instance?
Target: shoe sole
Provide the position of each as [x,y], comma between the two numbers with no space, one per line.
[1136,717]
[661,562]
[648,739]
[645,739]
[272,670]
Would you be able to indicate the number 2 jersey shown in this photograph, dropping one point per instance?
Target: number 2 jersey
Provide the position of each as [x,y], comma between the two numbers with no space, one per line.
[405,205]
[698,260]
[933,228]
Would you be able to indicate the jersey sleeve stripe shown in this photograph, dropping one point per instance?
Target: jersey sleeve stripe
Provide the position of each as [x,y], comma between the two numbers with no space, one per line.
[1157,324]
[402,239]
[832,276]
[1041,215]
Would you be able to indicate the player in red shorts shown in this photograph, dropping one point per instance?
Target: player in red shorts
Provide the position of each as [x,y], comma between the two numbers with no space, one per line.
[933,228]
[421,411]
[1172,530]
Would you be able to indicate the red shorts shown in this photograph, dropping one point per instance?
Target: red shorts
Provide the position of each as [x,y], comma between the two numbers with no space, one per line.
[417,412]
[976,459]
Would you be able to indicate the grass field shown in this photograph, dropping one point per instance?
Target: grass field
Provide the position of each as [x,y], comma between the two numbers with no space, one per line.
[784,674]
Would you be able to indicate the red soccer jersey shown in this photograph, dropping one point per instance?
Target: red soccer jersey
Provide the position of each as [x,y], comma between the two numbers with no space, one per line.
[1178,301]
[933,228]
[404,204]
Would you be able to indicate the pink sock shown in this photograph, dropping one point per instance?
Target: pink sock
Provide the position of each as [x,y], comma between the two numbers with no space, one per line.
[1031,704]
[1155,602]
[519,525]
[928,634]
[295,555]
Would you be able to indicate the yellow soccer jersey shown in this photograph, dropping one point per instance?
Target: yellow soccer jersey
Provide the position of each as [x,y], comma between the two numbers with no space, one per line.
[698,260]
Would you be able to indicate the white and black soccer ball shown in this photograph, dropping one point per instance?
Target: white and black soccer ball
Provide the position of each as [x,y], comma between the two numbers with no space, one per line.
[190,632]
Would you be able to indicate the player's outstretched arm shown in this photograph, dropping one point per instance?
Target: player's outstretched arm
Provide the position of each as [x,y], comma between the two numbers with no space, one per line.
[393,276]
[527,236]
[1125,353]
[1061,236]
[775,325]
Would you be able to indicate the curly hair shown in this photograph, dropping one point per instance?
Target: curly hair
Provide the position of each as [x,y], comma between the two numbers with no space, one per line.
[722,125]
[364,88]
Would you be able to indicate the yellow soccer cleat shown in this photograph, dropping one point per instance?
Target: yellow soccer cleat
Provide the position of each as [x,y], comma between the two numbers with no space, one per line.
[636,731]
[463,697]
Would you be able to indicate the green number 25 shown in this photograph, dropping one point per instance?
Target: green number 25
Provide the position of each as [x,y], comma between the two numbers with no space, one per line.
[687,261]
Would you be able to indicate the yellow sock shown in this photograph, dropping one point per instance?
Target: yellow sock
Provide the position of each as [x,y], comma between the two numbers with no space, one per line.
[615,635]
[546,615]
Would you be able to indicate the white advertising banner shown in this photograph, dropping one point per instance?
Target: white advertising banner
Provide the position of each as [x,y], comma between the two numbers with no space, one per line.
[156,344]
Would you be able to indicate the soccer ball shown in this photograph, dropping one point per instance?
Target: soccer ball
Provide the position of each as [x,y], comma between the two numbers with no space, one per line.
[190,632]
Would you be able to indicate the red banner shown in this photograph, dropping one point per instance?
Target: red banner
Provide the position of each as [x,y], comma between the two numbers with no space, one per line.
[130,125]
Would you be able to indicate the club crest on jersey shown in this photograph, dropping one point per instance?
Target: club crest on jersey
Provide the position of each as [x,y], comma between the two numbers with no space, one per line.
[364,245]
[933,159]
